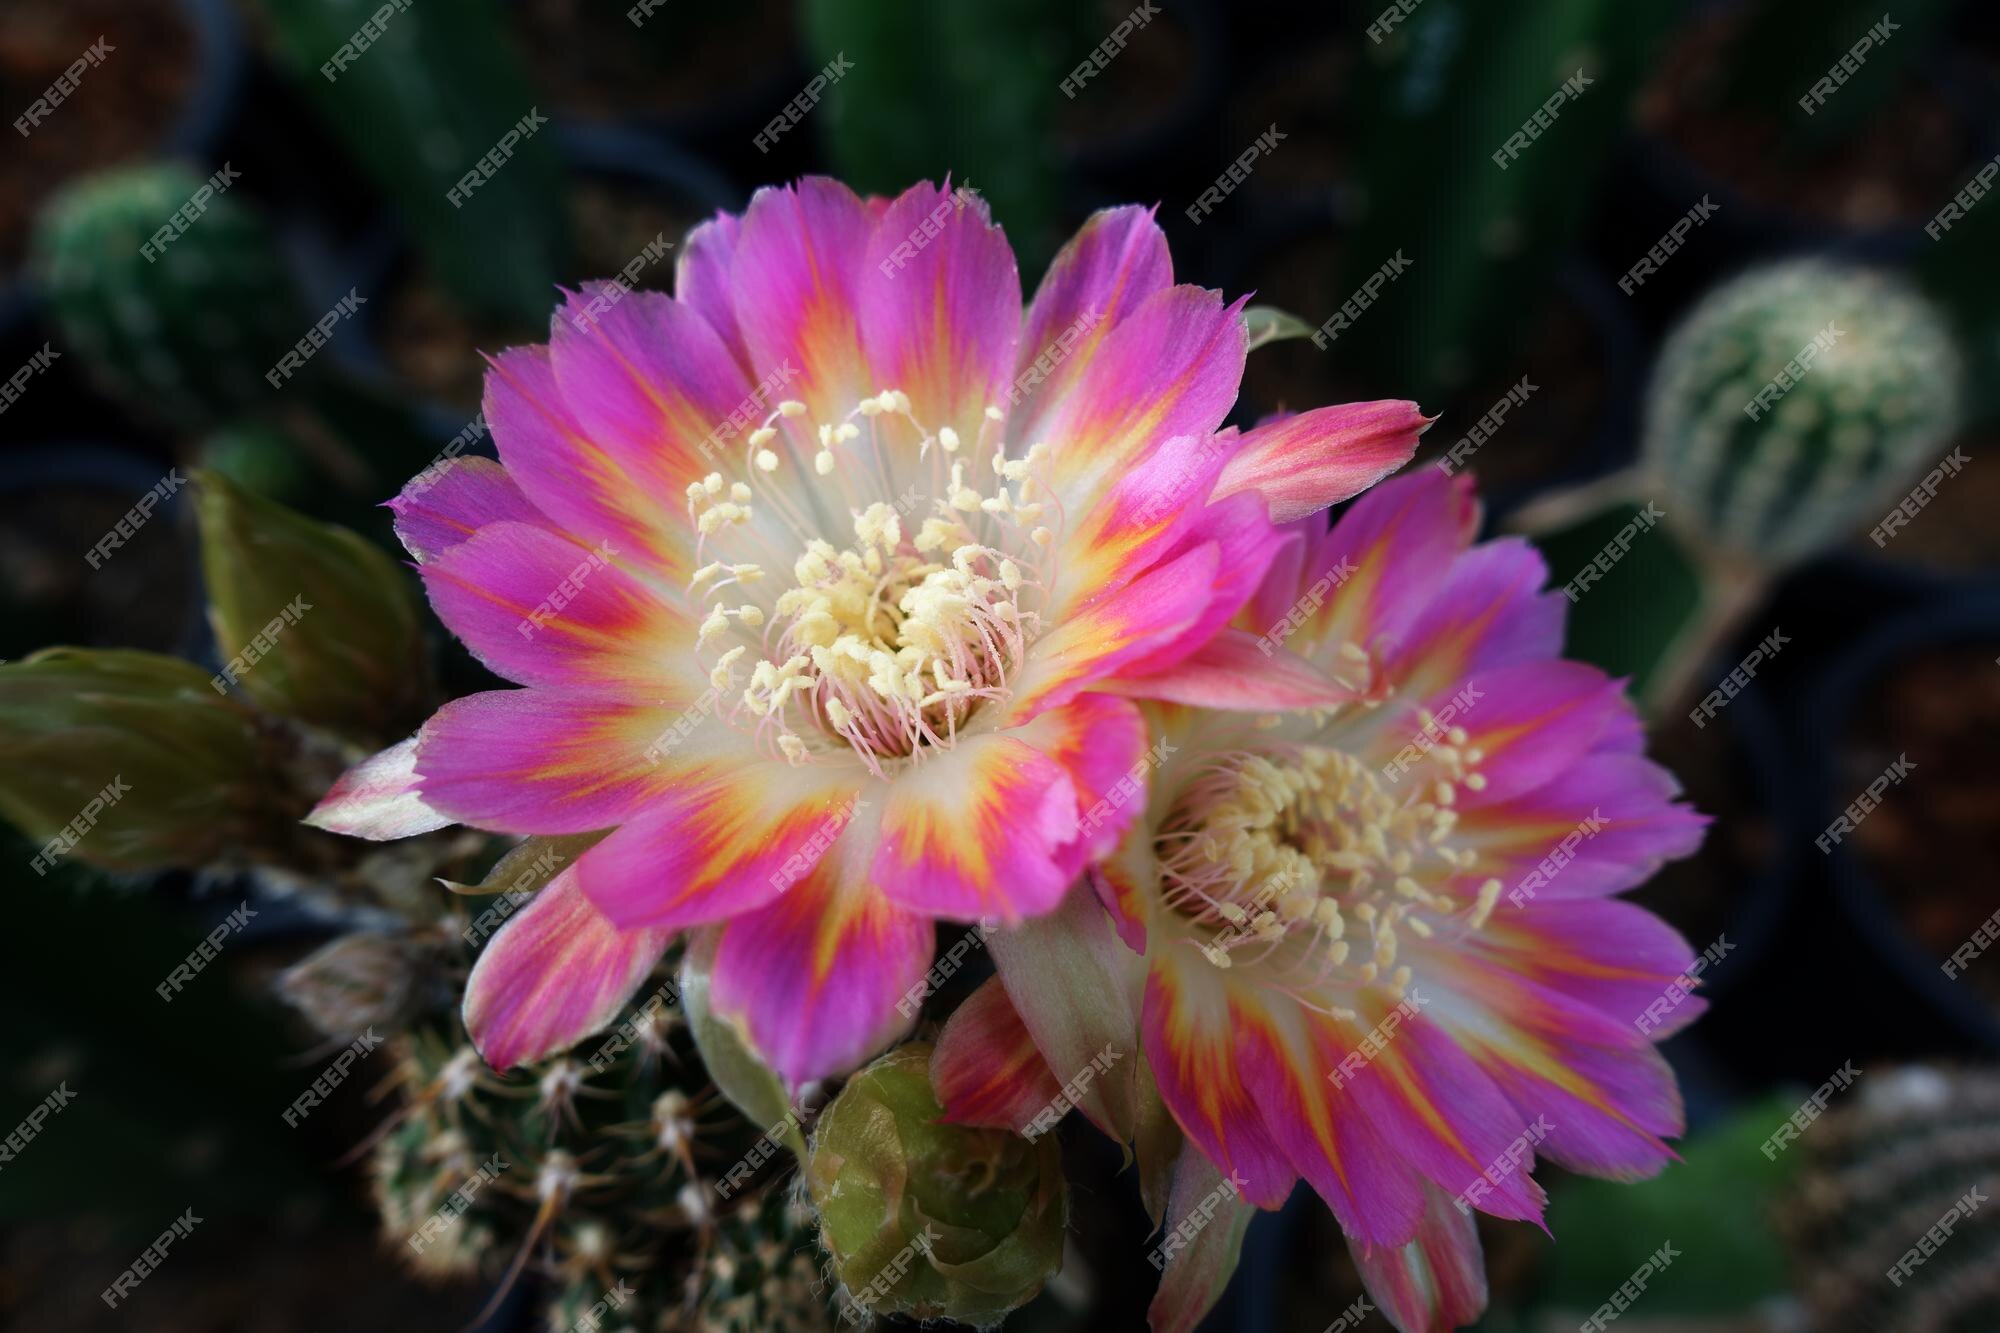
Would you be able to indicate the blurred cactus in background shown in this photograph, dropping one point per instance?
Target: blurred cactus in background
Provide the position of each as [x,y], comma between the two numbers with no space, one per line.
[1775,471]
[928,1219]
[433,103]
[1792,405]
[1444,97]
[1882,1174]
[183,330]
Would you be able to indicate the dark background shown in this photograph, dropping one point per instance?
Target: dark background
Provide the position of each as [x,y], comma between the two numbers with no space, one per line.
[1386,148]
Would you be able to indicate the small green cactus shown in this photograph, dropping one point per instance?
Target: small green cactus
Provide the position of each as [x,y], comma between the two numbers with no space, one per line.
[599,1167]
[181,327]
[1882,1174]
[1794,402]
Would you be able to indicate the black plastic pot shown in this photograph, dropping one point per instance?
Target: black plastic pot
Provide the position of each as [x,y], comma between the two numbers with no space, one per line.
[617,152]
[221,60]
[40,473]
[1958,614]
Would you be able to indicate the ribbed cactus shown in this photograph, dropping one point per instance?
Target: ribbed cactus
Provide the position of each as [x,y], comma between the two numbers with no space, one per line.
[177,326]
[1882,1173]
[1797,401]
[433,104]
[599,1168]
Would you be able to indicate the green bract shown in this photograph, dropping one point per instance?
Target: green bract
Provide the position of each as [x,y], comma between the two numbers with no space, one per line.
[929,1219]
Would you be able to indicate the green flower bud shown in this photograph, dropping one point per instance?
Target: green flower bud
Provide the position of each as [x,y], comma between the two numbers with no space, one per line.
[928,1219]
[311,621]
[130,761]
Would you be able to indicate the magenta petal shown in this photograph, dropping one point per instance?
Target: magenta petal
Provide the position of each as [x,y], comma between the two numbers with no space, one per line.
[1239,670]
[1101,743]
[543,761]
[1301,464]
[1437,1282]
[799,260]
[941,306]
[1489,613]
[448,502]
[702,279]
[555,973]
[1115,261]
[1389,554]
[581,488]
[654,389]
[1614,956]
[725,839]
[1170,368]
[815,977]
[1613,817]
[1245,544]
[1107,635]
[541,610]
[1532,720]
[378,799]
[975,832]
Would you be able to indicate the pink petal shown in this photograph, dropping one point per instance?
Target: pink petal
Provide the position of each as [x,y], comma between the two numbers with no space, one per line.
[378,799]
[555,973]
[549,761]
[975,831]
[800,256]
[1198,1045]
[1142,518]
[1595,1081]
[941,306]
[1245,543]
[704,274]
[1533,721]
[654,389]
[815,977]
[1238,670]
[1114,262]
[448,502]
[1614,956]
[541,610]
[986,1069]
[727,838]
[1437,1282]
[1388,556]
[1170,368]
[1604,824]
[581,485]
[1489,612]
[1094,642]
[1301,464]
[1101,742]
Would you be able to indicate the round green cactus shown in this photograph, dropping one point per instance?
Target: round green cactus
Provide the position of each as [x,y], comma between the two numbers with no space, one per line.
[171,287]
[1796,401]
[929,1219]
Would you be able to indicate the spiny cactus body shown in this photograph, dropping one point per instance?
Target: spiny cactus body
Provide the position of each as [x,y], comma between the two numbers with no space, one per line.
[1888,1179]
[181,327]
[1796,401]
[598,1170]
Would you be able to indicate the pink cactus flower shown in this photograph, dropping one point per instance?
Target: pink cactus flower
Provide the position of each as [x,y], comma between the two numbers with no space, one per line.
[828,581]
[1374,946]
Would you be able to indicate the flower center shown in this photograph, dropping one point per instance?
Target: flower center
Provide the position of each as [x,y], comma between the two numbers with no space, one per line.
[904,613]
[1304,862]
